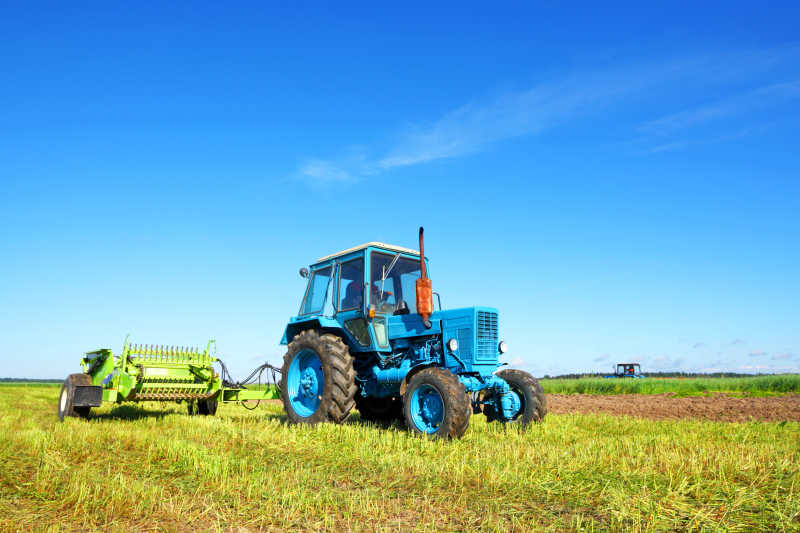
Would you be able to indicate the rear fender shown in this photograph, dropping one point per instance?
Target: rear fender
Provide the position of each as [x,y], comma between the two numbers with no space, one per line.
[321,322]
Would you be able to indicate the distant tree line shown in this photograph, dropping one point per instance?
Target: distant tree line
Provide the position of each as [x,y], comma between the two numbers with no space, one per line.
[29,380]
[662,375]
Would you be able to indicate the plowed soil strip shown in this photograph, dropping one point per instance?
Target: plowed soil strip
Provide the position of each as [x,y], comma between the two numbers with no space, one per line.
[666,407]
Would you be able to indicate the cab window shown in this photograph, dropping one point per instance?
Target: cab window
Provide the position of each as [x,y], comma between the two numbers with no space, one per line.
[351,285]
[317,289]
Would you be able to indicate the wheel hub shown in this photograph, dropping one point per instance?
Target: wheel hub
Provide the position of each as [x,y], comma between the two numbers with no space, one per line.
[308,382]
[427,408]
[431,407]
[510,404]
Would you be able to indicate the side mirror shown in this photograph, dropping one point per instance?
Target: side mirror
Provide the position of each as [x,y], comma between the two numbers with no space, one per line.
[304,272]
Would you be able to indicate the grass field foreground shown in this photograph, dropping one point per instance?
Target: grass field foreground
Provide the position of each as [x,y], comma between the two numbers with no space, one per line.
[155,468]
[752,386]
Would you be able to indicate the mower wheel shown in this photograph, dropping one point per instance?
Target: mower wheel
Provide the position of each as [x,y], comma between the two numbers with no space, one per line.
[533,405]
[207,407]
[66,399]
[203,407]
[381,410]
[318,380]
[436,404]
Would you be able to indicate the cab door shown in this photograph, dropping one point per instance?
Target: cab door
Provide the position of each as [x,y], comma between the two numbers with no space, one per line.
[350,306]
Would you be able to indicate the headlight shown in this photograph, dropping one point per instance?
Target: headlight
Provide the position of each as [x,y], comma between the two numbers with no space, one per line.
[452,345]
[502,347]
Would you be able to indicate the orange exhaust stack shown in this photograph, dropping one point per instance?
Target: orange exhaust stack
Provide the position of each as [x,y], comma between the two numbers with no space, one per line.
[424,287]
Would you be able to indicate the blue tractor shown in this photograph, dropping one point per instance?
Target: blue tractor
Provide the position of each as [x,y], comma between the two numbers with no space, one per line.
[367,336]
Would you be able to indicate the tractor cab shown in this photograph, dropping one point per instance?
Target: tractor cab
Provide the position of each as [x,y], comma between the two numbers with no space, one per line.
[362,290]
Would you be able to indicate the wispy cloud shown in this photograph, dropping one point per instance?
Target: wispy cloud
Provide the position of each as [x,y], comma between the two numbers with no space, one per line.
[762,97]
[319,169]
[782,356]
[666,363]
[601,358]
[737,341]
[755,367]
[704,141]
[699,345]
[472,126]
[757,353]
[769,369]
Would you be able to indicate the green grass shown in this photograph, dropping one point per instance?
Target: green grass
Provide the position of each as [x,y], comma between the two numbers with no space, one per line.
[752,386]
[131,468]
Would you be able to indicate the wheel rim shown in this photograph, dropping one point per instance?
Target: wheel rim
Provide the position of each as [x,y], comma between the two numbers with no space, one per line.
[518,402]
[62,402]
[306,383]
[427,408]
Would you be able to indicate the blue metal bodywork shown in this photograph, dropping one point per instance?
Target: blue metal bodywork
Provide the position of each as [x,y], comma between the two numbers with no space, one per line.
[389,348]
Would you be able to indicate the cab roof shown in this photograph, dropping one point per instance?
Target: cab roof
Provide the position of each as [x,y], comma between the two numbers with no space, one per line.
[375,244]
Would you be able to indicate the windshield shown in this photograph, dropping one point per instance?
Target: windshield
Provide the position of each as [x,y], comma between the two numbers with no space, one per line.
[392,283]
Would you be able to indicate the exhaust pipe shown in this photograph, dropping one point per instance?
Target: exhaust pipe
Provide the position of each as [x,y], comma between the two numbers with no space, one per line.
[424,287]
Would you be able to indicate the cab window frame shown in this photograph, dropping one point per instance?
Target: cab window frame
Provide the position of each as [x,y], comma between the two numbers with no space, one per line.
[331,273]
[339,285]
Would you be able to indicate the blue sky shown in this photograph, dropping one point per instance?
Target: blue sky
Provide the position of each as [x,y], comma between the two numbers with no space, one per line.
[621,181]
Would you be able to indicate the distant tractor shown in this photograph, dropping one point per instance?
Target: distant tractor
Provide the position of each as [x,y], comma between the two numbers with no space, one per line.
[627,370]
[367,336]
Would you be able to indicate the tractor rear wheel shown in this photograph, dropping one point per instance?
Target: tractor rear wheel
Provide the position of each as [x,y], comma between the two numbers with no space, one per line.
[381,410]
[436,404]
[533,405]
[66,399]
[317,379]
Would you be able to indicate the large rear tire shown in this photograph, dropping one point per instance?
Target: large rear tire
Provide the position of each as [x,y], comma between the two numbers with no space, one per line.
[66,398]
[317,379]
[533,404]
[436,404]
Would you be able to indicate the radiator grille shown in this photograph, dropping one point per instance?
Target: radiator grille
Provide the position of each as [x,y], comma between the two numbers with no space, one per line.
[464,338]
[487,336]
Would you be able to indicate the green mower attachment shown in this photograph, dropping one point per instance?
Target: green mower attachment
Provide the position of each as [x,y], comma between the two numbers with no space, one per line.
[144,372]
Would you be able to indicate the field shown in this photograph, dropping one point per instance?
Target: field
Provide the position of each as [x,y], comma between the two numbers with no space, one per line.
[132,468]
[751,386]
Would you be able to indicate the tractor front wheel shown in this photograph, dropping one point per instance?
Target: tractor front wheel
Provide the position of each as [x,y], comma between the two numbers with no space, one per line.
[436,404]
[529,395]
[66,399]
[317,379]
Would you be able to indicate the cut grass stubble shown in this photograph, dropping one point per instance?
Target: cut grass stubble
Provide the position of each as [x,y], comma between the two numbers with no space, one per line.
[154,467]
